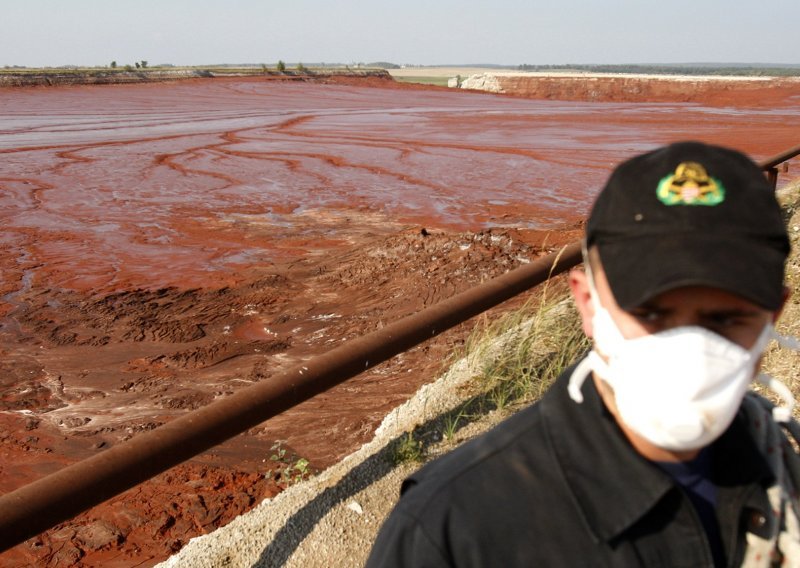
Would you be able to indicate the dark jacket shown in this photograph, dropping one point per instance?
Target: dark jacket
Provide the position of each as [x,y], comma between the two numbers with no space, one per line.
[558,484]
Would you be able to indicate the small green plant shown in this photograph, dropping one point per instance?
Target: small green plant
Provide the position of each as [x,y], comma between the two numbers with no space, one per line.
[281,66]
[407,450]
[279,450]
[299,470]
[452,422]
[301,68]
[501,396]
[290,468]
[113,64]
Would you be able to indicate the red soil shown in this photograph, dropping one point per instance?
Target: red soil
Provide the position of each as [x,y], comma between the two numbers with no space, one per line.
[739,92]
[167,244]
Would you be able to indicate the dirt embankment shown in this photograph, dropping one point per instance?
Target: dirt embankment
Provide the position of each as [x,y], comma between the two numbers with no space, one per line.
[742,91]
[116,77]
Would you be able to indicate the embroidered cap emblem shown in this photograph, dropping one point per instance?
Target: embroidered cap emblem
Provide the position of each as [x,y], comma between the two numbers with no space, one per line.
[690,185]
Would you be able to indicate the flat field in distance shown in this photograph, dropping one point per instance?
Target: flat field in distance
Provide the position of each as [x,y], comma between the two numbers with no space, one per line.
[436,75]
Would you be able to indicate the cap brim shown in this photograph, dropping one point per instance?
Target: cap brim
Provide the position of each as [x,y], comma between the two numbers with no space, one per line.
[639,269]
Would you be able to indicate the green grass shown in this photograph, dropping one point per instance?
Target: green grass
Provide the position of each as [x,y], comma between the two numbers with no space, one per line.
[438,81]
[517,356]
[539,341]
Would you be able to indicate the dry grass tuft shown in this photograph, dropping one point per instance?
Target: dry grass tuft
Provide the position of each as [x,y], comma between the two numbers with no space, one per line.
[538,341]
[784,364]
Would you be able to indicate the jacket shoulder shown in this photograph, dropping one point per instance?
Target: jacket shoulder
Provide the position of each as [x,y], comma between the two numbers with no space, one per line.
[461,508]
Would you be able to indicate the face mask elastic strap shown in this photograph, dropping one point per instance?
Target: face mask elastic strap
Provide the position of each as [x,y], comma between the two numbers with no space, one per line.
[580,374]
[786,340]
[779,413]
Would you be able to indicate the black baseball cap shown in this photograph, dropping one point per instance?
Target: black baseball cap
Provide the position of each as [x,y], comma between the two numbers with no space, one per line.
[690,214]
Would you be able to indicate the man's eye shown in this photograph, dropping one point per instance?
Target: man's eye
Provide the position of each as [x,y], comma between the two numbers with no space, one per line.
[724,320]
[647,316]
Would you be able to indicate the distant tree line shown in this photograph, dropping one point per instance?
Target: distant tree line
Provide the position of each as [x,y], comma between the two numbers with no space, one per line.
[383,65]
[139,65]
[789,71]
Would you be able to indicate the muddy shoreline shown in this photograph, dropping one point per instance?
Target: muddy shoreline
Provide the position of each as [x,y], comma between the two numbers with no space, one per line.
[165,244]
[196,345]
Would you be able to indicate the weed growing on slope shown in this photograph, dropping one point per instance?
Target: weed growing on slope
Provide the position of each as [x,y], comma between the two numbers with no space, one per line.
[407,449]
[290,468]
[524,351]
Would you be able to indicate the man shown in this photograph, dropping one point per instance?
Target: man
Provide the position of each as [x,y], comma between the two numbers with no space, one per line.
[650,452]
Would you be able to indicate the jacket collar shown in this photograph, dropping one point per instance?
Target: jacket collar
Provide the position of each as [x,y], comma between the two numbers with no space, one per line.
[611,484]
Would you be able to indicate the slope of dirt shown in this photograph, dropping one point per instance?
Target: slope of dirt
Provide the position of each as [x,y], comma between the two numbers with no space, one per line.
[738,91]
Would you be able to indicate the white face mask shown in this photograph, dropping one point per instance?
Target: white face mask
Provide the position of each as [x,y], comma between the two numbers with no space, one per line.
[679,389]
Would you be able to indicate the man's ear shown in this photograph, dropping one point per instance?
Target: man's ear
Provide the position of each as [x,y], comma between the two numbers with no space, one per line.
[579,285]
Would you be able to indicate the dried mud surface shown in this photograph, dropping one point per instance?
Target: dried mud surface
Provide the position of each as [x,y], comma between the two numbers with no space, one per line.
[165,245]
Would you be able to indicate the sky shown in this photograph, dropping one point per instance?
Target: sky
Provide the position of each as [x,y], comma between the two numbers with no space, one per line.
[40,33]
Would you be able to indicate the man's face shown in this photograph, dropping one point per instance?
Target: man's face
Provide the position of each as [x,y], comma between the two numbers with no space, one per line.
[721,312]
[726,314]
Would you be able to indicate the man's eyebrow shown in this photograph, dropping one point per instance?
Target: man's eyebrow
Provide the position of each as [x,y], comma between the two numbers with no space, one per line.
[738,312]
[652,306]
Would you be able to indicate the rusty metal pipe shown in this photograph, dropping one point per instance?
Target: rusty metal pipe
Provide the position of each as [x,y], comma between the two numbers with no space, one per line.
[785,156]
[770,166]
[44,503]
